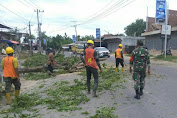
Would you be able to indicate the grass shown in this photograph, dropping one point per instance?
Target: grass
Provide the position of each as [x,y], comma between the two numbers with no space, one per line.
[106,112]
[168,58]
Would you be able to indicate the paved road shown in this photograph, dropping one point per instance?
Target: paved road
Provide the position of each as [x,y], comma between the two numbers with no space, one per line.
[159,100]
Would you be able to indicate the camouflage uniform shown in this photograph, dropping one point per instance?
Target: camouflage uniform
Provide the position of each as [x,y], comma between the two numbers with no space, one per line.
[140,61]
[0,89]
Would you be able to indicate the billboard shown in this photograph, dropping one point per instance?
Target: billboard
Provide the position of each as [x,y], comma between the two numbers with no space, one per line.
[160,11]
[97,33]
[74,38]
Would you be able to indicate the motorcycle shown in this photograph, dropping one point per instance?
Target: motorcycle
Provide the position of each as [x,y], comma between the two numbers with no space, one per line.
[168,52]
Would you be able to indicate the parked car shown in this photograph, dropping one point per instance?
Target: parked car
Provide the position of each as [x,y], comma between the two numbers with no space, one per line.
[79,49]
[102,52]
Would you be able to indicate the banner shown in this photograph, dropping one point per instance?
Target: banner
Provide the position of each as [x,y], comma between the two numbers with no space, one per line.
[97,33]
[160,11]
[74,38]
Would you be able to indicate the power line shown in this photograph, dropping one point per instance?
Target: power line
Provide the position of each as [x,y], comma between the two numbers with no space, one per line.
[109,12]
[106,10]
[35,4]
[31,4]
[24,4]
[14,12]
[100,9]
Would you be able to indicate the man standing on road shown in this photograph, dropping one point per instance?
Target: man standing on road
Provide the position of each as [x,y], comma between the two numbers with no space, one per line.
[119,58]
[11,74]
[92,63]
[139,60]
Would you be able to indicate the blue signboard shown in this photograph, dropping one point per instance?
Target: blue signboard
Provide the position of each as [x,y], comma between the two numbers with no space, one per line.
[160,11]
[45,41]
[98,33]
[74,38]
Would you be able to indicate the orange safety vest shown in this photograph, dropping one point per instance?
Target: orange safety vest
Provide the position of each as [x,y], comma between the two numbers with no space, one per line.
[9,70]
[118,53]
[89,58]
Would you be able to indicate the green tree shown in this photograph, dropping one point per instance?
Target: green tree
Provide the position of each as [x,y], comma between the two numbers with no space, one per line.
[57,41]
[135,28]
[87,37]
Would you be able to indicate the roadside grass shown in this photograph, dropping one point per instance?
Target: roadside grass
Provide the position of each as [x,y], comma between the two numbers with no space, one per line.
[106,112]
[168,58]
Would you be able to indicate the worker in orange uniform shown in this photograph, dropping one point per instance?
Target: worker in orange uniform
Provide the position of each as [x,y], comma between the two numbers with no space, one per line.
[92,63]
[11,74]
[119,58]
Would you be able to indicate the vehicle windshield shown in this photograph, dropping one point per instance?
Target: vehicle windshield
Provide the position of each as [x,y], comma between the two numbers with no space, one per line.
[102,49]
[80,47]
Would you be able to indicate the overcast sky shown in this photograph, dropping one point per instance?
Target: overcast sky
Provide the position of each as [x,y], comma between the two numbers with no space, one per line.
[58,14]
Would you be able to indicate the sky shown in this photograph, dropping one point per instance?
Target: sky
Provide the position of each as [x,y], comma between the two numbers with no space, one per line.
[111,16]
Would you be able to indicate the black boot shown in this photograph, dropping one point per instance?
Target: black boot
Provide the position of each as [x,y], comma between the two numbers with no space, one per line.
[141,92]
[137,96]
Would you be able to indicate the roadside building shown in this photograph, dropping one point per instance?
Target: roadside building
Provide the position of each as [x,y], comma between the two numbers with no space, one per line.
[112,42]
[154,39]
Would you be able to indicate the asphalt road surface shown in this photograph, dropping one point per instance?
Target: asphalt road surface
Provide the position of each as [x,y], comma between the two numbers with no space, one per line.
[159,99]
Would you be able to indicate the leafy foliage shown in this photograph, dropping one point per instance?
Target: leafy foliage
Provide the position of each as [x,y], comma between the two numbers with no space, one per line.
[137,28]
[65,97]
[36,60]
[58,41]
[86,38]
[106,112]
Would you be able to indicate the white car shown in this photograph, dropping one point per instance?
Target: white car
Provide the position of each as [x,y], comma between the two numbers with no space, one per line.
[102,52]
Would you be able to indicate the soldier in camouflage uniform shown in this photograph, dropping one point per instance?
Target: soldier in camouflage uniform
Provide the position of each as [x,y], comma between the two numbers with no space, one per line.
[139,60]
[0,90]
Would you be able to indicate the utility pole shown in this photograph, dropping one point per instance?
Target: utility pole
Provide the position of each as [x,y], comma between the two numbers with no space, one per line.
[31,41]
[147,20]
[39,29]
[75,26]
[166,23]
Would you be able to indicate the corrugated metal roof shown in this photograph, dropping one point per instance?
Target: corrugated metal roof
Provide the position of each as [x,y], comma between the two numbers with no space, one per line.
[3,26]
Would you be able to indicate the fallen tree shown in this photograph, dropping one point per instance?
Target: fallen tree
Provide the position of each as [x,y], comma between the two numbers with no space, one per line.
[64,66]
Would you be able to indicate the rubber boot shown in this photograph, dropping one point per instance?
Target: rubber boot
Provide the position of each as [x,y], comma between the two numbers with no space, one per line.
[137,96]
[17,92]
[141,92]
[94,94]
[117,70]
[123,69]
[8,98]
